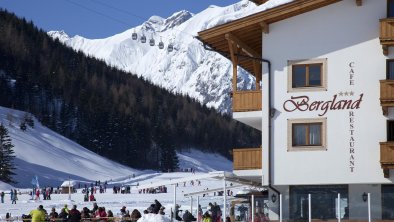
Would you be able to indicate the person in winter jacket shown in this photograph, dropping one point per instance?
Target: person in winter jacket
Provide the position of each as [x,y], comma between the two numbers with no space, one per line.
[37,194]
[91,197]
[101,213]
[14,197]
[199,215]
[74,215]
[63,215]
[110,216]
[38,215]
[2,194]
[188,217]
[135,215]
[53,215]
[95,208]
[206,217]
[156,207]
[85,214]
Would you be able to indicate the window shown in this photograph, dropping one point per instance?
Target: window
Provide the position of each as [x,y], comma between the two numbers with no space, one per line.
[390,130]
[387,202]
[390,69]
[307,75]
[307,134]
[390,8]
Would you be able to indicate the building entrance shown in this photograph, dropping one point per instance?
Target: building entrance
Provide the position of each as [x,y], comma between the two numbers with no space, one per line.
[324,201]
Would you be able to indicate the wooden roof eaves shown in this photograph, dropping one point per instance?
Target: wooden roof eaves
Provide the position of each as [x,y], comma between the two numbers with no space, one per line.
[269,16]
[259,2]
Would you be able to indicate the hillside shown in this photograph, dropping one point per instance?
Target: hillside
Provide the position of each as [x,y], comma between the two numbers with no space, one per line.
[54,158]
[108,111]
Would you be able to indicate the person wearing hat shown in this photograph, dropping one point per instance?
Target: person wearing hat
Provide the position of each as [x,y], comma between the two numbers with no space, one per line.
[38,215]
[123,213]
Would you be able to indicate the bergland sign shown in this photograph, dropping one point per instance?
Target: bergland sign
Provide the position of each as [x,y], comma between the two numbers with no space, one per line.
[303,103]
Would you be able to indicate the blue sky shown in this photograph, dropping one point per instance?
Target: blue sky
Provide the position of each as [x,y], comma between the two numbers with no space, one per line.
[100,18]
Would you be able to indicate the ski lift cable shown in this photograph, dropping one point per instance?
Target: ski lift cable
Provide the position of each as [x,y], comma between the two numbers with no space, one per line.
[117,9]
[99,13]
[123,11]
[170,46]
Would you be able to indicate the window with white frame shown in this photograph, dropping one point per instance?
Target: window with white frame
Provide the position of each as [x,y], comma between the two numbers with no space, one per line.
[307,75]
[307,134]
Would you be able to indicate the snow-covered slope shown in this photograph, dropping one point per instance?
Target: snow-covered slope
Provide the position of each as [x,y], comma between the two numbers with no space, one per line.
[189,69]
[54,158]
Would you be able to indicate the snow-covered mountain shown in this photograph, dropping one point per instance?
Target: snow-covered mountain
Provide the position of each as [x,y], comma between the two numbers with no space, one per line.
[54,158]
[188,69]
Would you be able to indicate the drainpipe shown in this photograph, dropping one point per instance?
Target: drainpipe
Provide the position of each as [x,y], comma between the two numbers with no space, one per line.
[226,54]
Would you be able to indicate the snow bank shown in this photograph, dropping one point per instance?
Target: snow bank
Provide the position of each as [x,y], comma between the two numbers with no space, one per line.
[153,218]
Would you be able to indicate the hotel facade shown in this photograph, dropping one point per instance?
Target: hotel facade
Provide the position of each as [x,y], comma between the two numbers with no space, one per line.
[323,102]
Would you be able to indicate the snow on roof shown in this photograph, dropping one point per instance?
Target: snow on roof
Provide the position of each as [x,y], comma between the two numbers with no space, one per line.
[67,183]
[268,5]
[225,18]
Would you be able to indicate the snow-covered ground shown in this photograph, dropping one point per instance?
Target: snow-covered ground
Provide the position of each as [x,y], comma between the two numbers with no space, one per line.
[54,158]
[114,202]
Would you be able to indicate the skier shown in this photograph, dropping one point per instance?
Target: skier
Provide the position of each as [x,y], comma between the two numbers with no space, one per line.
[37,194]
[14,197]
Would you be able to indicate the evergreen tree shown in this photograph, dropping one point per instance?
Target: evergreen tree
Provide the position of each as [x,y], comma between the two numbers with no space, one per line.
[6,156]
[23,126]
[168,157]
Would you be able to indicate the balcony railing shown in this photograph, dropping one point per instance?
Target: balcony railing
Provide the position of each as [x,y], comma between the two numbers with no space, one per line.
[247,159]
[386,94]
[244,101]
[387,157]
[386,33]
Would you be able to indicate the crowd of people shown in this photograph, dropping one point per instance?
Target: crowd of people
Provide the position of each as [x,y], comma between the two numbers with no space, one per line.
[75,215]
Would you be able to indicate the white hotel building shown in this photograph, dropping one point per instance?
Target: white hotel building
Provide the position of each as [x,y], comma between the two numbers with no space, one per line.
[324,108]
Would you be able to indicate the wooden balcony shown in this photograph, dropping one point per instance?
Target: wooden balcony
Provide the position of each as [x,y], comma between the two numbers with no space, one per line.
[245,101]
[247,159]
[386,95]
[387,157]
[386,34]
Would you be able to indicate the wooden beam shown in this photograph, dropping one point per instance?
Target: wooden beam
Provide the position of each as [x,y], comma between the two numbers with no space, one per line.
[244,47]
[385,110]
[359,2]
[386,172]
[257,73]
[385,50]
[265,27]
[234,60]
